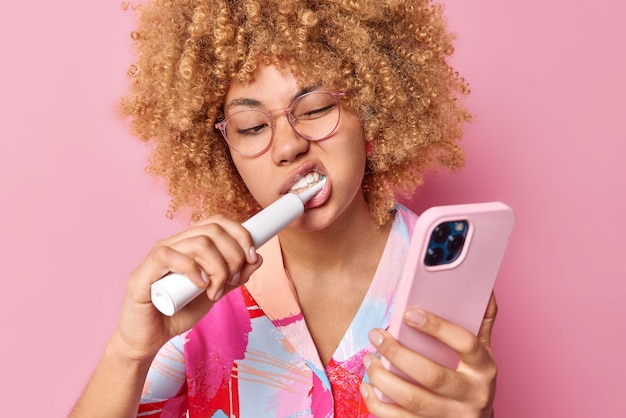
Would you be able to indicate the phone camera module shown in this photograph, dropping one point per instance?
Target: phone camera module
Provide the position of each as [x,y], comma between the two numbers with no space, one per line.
[446,243]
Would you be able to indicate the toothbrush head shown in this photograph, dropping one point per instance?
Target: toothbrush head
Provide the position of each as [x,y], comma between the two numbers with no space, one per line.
[312,191]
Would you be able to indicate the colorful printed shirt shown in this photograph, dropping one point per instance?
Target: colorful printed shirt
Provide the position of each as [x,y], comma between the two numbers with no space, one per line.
[253,356]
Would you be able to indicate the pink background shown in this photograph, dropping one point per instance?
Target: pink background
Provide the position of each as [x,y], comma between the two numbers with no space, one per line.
[78,212]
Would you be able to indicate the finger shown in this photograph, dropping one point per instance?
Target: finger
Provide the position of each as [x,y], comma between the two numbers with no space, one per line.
[238,279]
[198,308]
[241,235]
[195,310]
[470,349]
[190,314]
[378,408]
[228,238]
[234,229]
[219,256]
[208,261]
[159,262]
[436,378]
[484,334]
[247,270]
[407,395]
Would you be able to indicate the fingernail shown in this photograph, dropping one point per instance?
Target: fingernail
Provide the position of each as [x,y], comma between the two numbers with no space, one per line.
[204,276]
[253,255]
[235,279]
[415,317]
[367,361]
[219,294]
[363,390]
[376,337]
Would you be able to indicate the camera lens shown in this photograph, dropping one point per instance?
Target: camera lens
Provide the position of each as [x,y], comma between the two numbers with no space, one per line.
[455,243]
[433,256]
[441,233]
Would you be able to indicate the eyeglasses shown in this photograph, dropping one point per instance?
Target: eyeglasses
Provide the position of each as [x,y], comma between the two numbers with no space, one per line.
[314,116]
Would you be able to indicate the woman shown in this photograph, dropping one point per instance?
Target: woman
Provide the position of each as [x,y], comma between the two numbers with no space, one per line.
[246,101]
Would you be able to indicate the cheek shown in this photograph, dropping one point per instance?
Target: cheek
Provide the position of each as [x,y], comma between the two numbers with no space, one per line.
[253,172]
[350,163]
[243,165]
[243,168]
[358,151]
[356,143]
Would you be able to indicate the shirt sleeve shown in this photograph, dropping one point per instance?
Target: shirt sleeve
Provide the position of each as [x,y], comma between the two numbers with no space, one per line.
[164,392]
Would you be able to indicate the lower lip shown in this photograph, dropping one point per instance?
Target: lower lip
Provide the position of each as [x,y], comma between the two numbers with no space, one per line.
[321,197]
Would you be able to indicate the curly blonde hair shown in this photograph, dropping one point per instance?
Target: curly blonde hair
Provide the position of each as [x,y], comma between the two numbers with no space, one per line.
[389,55]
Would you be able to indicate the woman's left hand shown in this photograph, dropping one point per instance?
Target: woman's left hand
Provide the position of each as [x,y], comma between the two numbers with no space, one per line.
[467,391]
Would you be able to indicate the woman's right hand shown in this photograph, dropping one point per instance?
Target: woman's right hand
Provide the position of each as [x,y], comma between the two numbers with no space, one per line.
[219,247]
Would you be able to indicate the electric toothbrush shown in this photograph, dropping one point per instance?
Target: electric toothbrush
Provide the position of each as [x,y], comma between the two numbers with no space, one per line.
[172,292]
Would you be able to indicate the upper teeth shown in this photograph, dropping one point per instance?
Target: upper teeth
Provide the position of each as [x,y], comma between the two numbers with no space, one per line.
[306,180]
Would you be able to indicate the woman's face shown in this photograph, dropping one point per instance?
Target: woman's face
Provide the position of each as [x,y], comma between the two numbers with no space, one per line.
[340,158]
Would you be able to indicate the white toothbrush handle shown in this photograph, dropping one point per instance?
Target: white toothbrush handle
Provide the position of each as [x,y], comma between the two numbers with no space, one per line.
[172,292]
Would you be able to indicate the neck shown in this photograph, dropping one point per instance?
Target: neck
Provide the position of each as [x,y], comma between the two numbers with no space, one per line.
[352,243]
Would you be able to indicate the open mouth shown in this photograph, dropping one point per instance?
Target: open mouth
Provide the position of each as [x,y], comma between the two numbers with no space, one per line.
[306,181]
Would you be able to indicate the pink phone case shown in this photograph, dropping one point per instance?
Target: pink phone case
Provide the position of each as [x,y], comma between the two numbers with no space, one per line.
[458,291]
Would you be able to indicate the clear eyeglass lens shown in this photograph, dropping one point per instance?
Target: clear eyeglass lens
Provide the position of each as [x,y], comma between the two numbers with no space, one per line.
[314,116]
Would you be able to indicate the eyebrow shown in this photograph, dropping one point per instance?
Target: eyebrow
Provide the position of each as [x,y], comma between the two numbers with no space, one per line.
[249,102]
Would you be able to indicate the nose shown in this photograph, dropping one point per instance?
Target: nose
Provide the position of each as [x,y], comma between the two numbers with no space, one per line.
[287,144]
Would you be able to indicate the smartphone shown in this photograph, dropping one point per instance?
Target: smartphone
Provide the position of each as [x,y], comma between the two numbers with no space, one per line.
[453,259]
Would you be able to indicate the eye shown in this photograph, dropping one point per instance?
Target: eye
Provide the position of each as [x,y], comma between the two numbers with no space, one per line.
[254,130]
[248,123]
[317,112]
[313,106]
